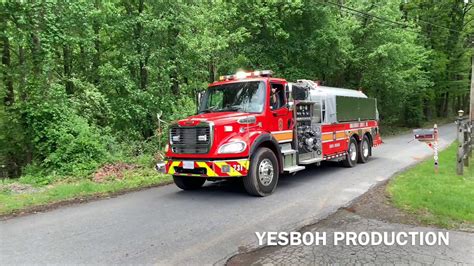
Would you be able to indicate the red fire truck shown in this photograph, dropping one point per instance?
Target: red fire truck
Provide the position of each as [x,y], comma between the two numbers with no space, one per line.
[256,127]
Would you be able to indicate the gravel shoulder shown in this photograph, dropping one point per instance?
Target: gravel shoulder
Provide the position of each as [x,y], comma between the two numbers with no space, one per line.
[459,250]
[371,212]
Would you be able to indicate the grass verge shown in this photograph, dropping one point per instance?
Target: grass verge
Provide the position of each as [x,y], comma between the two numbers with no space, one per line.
[444,199]
[14,202]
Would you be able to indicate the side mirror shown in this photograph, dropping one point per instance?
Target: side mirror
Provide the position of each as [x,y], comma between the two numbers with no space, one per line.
[199,97]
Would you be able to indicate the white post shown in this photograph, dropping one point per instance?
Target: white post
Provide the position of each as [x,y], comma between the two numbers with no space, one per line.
[158,116]
[460,151]
[471,109]
[470,125]
[435,148]
[467,143]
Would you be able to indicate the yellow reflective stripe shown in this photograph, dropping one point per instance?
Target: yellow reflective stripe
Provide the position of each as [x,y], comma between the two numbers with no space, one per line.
[283,135]
[327,136]
[220,164]
[330,136]
[193,174]
[208,169]
[245,164]
[232,172]
[210,172]
[341,135]
[173,164]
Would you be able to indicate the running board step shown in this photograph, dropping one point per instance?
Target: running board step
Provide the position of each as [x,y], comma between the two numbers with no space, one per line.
[285,152]
[293,169]
[310,161]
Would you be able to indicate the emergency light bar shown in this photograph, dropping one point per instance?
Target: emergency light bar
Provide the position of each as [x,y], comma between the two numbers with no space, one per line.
[243,75]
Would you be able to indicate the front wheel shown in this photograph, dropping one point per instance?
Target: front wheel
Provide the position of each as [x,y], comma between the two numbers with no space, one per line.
[352,154]
[263,176]
[188,183]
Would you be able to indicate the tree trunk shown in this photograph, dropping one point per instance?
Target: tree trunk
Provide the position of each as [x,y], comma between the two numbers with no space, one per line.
[23,71]
[97,55]
[212,71]
[174,33]
[7,77]
[143,59]
[446,105]
[144,74]
[174,82]
[36,53]
[471,107]
[67,63]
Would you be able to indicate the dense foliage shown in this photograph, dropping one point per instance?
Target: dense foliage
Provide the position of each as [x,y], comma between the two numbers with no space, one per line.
[82,81]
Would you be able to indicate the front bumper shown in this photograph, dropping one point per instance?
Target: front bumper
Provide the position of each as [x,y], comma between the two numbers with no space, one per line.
[202,168]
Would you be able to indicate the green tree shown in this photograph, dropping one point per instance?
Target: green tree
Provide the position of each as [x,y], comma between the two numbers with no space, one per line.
[82,81]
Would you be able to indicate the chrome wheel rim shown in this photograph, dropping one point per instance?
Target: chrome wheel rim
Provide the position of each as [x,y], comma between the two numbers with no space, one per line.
[365,149]
[352,151]
[265,172]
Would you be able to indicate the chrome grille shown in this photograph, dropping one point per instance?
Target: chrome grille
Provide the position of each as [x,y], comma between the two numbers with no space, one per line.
[190,140]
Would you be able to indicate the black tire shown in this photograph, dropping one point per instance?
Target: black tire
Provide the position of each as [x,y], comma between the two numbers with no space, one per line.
[352,154]
[188,182]
[364,150]
[262,179]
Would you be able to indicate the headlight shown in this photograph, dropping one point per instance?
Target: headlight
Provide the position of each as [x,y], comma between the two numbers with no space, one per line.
[232,147]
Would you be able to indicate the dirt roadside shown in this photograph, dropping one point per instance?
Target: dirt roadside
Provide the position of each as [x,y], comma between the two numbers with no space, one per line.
[375,204]
[76,200]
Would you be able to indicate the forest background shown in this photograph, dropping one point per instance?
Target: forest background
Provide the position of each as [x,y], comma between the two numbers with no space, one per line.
[81,81]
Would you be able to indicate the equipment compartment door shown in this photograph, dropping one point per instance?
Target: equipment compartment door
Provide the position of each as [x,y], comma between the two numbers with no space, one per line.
[334,139]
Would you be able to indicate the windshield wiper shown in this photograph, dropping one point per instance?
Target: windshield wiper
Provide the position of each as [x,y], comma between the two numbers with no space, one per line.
[231,108]
[208,110]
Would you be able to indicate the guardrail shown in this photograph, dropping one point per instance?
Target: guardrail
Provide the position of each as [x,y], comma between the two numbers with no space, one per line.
[465,129]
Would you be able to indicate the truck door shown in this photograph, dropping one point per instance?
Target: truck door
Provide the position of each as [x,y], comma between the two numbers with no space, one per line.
[280,118]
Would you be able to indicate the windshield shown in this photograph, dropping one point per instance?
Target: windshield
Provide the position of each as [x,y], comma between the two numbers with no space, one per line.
[242,96]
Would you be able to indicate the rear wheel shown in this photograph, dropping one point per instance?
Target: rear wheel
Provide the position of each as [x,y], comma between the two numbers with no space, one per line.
[364,150]
[352,154]
[188,183]
[263,176]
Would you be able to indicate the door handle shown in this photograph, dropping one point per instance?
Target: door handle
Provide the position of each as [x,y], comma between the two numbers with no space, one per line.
[279,114]
[275,114]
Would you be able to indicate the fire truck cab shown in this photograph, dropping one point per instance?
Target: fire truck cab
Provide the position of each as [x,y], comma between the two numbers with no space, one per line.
[256,127]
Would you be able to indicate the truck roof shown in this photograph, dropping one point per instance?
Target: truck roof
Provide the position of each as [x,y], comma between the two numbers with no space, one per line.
[331,90]
[216,83]
[313,85]
[341,92]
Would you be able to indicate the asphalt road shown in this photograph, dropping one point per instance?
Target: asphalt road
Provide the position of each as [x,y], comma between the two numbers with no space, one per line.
[458,252]
[168,226]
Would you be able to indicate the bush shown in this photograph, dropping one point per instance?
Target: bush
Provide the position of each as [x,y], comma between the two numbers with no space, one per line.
[34,179]
[64,142]
[74,147]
